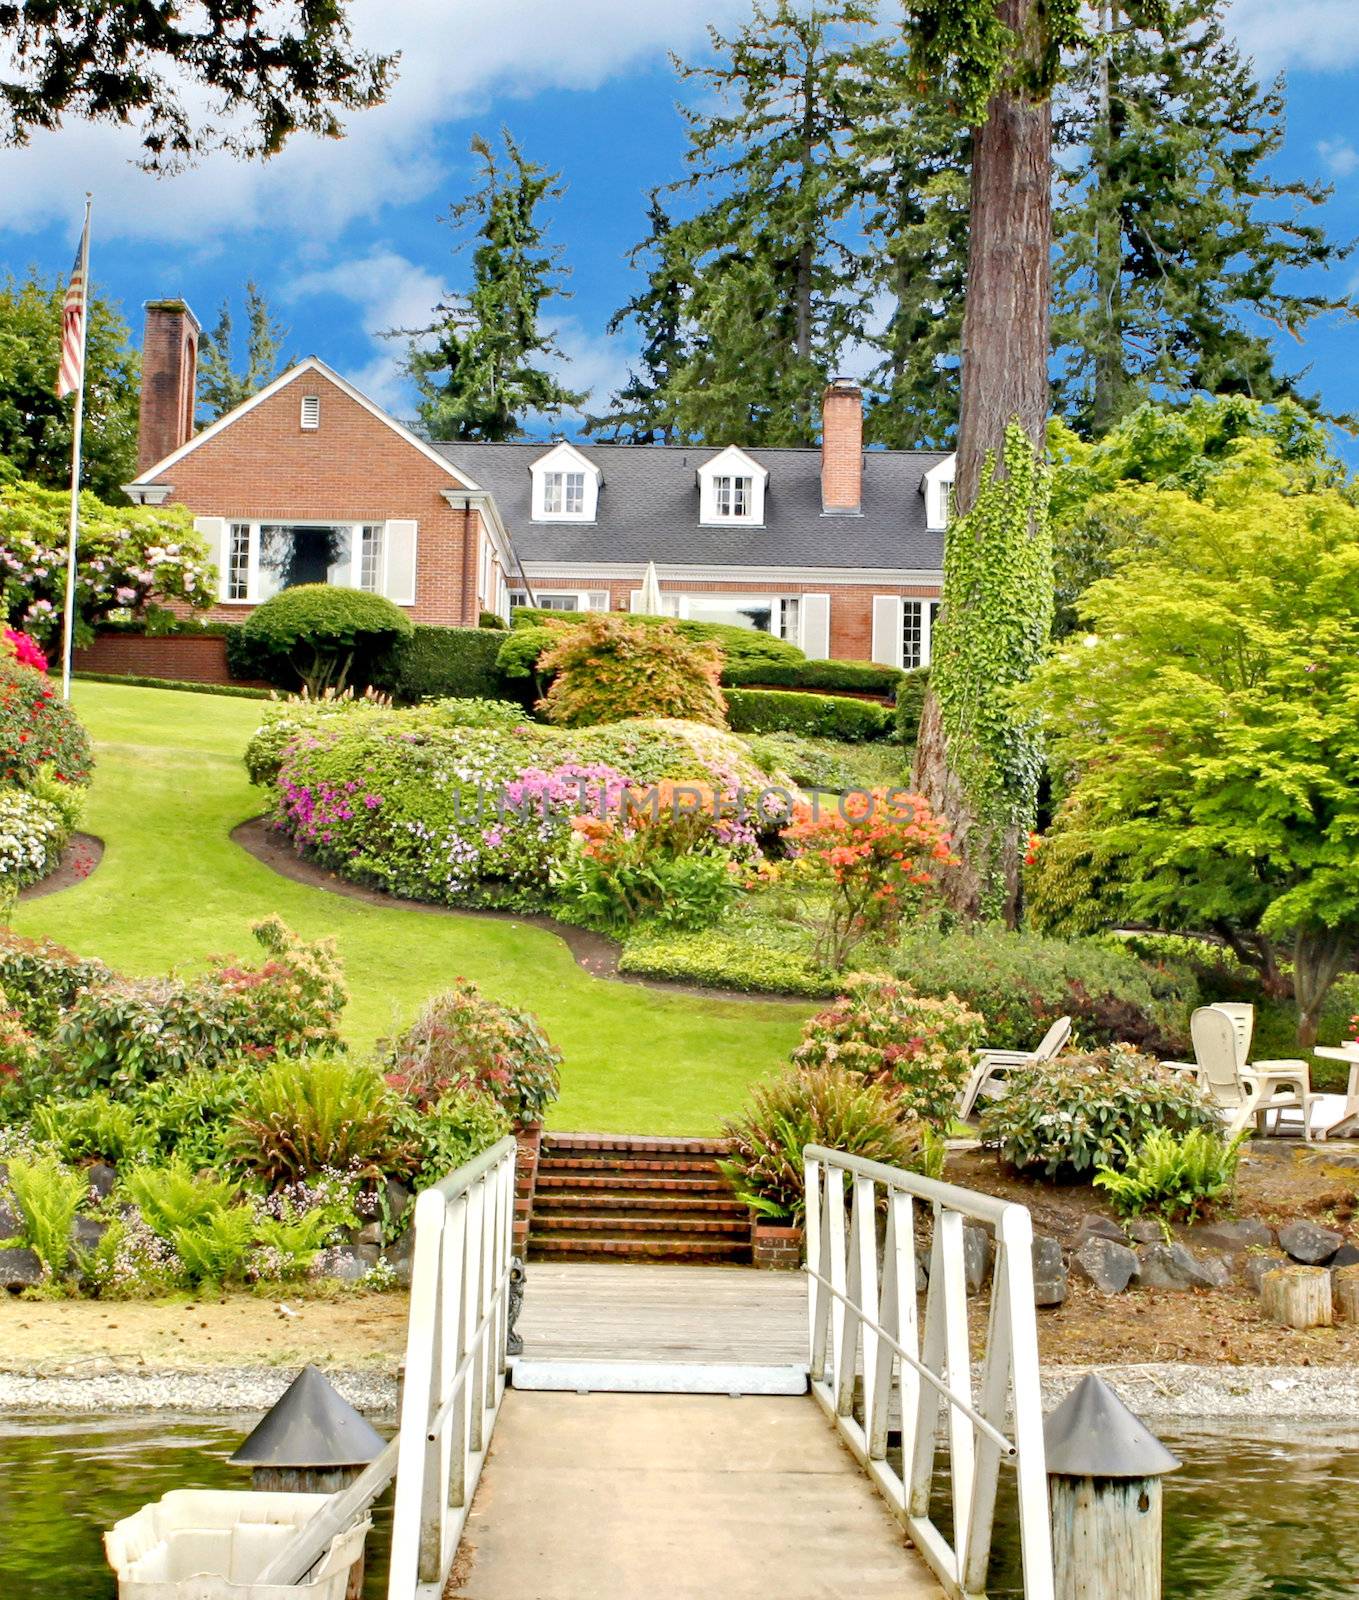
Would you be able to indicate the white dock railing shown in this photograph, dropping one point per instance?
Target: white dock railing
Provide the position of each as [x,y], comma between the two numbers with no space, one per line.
[863,1320]
[455,1365]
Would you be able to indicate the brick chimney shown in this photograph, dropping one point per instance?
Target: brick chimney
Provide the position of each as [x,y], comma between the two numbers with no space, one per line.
[169,380]
[842,448]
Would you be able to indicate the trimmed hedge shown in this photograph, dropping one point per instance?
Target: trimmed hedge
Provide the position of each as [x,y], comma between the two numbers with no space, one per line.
[815,716]
[234,691]
[738,644]
[910,703]
[444,664]
[865,677]
[746,953]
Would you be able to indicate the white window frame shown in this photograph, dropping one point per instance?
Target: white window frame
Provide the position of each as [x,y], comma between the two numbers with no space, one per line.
[937,485]
[889,628]
[581,599]
[718,491]
[357,539]
[566,486]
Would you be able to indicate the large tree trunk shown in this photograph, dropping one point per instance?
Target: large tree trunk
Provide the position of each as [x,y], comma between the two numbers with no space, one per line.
[1004,375]
[1108,376]
[1318,958]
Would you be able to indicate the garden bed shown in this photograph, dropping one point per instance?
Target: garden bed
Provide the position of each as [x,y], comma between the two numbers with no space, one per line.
[83,853]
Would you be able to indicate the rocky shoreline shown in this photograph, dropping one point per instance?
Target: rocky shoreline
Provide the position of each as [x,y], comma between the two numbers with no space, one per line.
[1156,1391]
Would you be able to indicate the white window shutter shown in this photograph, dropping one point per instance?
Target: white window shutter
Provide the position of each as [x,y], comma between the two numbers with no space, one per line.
[398,561]
[887,629]
[214,531]
[635,600]
[813,619]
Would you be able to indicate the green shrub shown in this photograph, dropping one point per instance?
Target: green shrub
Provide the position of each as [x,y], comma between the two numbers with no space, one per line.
[298,1119]
[442,663]
[1073,1115]
[48,1196]
[827,677]
[293,720]
[748,951]
[632,886]
[1022,982]
[827,1107]
[38,728]
[41,979]
[95,1128]
[919,1048]
[475,713]
[739,645]
[1176,1178]
[604,670]
[21,1064]
[447,1134]
[189,1115]
[464,1040]
[823,716]
[911,693]
[321,635]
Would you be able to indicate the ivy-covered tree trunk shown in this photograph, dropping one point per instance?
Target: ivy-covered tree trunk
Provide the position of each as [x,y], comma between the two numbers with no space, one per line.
[976,761]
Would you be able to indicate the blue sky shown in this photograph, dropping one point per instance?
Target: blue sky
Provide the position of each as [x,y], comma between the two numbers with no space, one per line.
[344,238]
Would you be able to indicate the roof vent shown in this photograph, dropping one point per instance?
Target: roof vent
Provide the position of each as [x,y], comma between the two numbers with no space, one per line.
[311,412]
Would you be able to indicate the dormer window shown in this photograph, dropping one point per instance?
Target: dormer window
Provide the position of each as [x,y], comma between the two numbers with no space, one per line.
[566,486]
[946,502]
[937,487]
[731,488]
[732,497]
[564,494]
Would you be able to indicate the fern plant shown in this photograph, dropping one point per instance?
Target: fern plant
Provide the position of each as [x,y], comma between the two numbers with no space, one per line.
[172,1199]
[48,1195]
[299,1118]
[1176,1178]
[216,1247]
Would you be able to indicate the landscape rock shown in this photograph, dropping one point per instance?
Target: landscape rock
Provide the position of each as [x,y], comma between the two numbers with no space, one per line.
[369,1233]
[1146,1231]
[1049,1272]
[1101,1228]
[9,1223]
[19,1269]
[101,1178]
[350,1263]
[1232,1234]
[1105,1263]
[1346,1256]
[86,1232]
[1256,1267]
[1310,1243]
[978,1253]
[398,1198]
[400,1255]
[1174,1266]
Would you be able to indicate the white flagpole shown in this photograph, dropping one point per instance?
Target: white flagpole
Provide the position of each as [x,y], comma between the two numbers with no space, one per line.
[77,428]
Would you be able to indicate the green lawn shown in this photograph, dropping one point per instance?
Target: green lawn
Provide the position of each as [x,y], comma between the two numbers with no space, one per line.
[172,889]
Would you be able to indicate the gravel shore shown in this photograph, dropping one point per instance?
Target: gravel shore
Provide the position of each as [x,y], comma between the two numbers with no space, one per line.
[1161,1392]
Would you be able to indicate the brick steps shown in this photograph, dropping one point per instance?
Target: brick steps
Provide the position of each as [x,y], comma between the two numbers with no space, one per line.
[607,1197]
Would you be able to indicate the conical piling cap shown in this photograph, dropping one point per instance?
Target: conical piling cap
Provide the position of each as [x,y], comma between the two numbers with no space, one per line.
[310,1426]
[1092,1434]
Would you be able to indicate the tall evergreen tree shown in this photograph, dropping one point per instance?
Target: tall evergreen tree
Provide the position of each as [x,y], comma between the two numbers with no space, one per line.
[771,295]
[221,388]
[35,427]
[641,410]
[483,374]
[1175,241]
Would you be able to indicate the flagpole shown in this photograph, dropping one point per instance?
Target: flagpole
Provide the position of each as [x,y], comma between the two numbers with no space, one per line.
[77,429]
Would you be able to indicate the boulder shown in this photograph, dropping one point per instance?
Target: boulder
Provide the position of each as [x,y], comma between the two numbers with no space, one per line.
[86,1232]
[978,1252]
[369,1233]
[9,1223]
[1310,1243]
[1232,1234]
[1346,1256]
[1049,1272]
[102,1178]
[399,1256]
[1101,1228]
[19,1269]
[1256,1267]
[1174,1266]
[1110,1266]
[350,1263]
[398,1198]
[1145,1230]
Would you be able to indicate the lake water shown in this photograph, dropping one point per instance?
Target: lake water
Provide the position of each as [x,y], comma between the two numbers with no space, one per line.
[1266,1514]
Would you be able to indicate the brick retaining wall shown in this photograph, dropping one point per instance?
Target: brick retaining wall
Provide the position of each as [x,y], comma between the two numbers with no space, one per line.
[185,658]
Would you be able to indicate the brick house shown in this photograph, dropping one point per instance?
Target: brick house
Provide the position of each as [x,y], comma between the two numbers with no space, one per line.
[836,548]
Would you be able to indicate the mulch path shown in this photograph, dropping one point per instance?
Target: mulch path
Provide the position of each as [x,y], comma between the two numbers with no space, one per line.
[593,952]
[81,856]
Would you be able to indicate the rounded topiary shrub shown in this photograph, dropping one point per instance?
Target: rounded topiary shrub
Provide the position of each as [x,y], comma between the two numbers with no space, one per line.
[1070,1116]
[606,670]
[322,636]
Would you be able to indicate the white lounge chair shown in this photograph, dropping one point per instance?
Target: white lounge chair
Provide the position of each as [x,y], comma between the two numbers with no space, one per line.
[988,1076]
[1244,1093]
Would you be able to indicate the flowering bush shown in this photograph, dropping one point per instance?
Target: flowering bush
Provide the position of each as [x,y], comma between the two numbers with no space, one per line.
[42,979]
[130,557]
[1080,1112]
[25,650]
[607,670]
[462,1040]
[38,729]
[870,860]
[920,1049]
[18,1059]
[32,836]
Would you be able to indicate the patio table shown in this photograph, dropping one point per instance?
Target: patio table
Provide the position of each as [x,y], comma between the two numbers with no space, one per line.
[1348,1121]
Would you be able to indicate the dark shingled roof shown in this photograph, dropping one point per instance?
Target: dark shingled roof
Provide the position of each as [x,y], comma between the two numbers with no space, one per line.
[648,509]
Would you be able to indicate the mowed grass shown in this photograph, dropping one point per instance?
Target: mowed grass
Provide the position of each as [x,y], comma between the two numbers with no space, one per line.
[172,891]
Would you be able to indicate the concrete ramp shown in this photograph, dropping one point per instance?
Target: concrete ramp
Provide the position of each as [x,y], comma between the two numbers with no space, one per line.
[677,1497]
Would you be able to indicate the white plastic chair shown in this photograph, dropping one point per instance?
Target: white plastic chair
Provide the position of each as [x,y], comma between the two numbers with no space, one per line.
[988,1076]
[1242,1093]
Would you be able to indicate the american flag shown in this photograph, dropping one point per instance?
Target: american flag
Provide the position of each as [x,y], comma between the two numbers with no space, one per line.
[69,373]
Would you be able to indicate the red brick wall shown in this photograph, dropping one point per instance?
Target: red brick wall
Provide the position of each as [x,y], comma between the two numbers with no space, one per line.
[185,658]
[353,468]
[169,381]
[851,605]
[842,446]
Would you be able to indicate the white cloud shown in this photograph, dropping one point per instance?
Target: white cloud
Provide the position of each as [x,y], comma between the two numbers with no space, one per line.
[453,58]
[1321,35]
[1339,155]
